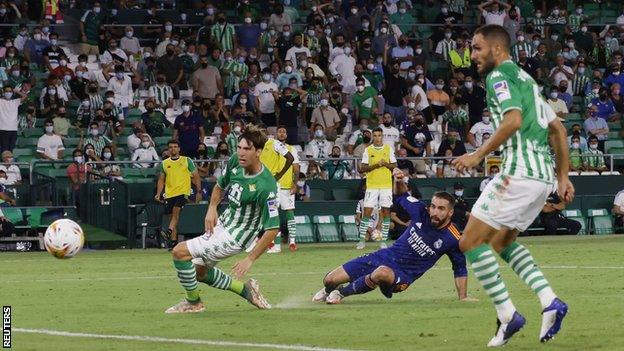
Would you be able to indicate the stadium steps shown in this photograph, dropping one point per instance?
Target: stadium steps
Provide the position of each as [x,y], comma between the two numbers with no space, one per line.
[305,230]
[577,215]
[326,229]
[348,228]
[601,221]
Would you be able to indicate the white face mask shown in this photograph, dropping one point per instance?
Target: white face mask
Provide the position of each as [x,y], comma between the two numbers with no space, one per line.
[360,88]
[107,155]
[318,134]
[288,69]
[459,193]
[554,37]
[303,63]
[327,31]
[581,70]
[448,35]
[411,75]
[411,104]
[553,95]
[243,101]
[595,91]
[186,108]
[96,10]
[324,102]
[345,111]
[51,91]
[168,28]
[485,119]
[584,29]
[468,85]
[129,34]
[383,30]
[145,144]
[520,37]
[247,20]
[402,10]
[576,145]
[95,132]
[237,130]
[439,86]
[49,129]
[370,66]
[300,183]
[593,146]
[37,36]
[78,159]
[418,51]
[266,77]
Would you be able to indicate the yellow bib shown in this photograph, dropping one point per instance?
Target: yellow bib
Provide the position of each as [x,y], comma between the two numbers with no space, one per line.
[380,178]
[177,176]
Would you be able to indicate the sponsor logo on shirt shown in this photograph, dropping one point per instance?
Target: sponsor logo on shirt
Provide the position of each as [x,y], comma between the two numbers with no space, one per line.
[273,208]
[501,89]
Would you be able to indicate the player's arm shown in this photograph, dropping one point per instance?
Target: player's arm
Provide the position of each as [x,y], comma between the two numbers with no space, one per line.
[558,140]
[282,150]
[364,166]
[458,262]
[160,185]
[195,179]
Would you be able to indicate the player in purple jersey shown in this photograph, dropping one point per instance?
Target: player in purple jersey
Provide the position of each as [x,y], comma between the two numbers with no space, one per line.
[429,236]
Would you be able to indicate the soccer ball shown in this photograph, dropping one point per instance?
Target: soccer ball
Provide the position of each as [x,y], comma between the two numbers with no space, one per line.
[63,238]
[376,235]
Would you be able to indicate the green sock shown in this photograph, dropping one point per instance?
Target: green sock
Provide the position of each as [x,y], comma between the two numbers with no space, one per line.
[521,261]
[188,279]
[364,224]
[486,269]
[292,226]
[278,238]
[220,280]
[385,228]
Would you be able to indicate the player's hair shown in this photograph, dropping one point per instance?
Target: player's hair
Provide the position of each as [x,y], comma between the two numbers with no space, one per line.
[253,134]
[378,129]
[495,32]
[281,126]
[445,196]
[172,141]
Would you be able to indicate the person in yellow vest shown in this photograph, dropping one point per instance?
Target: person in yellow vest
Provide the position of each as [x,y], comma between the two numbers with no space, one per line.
[378,161]
[460,56]
[278,159]
[175,177]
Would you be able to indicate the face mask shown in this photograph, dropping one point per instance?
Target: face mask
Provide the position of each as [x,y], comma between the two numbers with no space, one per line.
[347,51]
[327,31]
[51,91]
[553,95]
[145,144]
[402,10]
[324,102]
[439,86]
[345,111]
[616,73]
[266,77]
[536,42]
[300,183]
[383,30]
[576,145]
[418,51]
[186,108]
[459,193]
[581,70]
[584,29]
[78,159]
[94,132]
[411,104]
[237,130]
[595,91]
[292,86]
[370,66]
[318,134]
[37,36]
[360,88]
[485,119]
[16,73]
[107,155]
[49,129]
[286,34]
[411,75]
[211,11]
[288,69]
[556,12]
[53,41]
[520,37]
[168,28]
[247,20]
[119,75]
[272,32]
[554,37]
[593,146]
[468,85]
[448,35]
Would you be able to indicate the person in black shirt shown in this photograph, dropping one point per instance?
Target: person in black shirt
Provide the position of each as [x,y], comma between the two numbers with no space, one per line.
[461,209]
[395,88]
[78,84]
[472,95]
[526,64]
[552,218]
[452,142]
[288,106]
[52,54]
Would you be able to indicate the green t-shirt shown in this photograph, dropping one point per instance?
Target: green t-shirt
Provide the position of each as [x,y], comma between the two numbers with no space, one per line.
[527,153]
[365,102]
[252,202]
[576,160]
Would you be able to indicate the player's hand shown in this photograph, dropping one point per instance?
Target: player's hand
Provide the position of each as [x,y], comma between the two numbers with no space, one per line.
[241,268]
[157,198]
[565,189]
[469,299]
[293,189]
[198,198]
[382,163]
[398,174]
[466,162]
[211,220]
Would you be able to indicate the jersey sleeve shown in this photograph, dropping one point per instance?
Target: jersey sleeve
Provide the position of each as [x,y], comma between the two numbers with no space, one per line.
[458,262]
[619,199]
[295,155]
[392,156]
[191,165]
[412,206]
[269,205]
[224,180]
[504,91]
[365,156]
[280,148]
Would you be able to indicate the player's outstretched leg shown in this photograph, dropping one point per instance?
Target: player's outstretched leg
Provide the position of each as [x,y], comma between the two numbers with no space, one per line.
[292,230]
[554,310]
[186,274]
[331,281]
[218,279]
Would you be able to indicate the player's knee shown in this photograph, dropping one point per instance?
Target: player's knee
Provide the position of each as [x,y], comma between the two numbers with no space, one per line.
[383,275]
[200,272]
[180,252]
[330,279]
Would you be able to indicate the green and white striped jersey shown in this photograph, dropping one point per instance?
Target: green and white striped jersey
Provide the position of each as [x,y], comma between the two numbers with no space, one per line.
[252,202]
[527,153]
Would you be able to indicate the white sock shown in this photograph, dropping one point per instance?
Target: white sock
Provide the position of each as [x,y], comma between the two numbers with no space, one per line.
[546,296]
[505,311]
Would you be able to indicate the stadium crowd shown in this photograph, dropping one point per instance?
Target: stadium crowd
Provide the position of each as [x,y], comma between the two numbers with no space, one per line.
[327,71]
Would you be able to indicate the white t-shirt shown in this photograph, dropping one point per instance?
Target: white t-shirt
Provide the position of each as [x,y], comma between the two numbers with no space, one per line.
[494,17]
[423,103]
[13,173]
[8,114]
[143,154]
[391,135]
[319,148]
[50,145]
[292,53]
[265,96]
[619,199]
[558,77]
[558,105]
[479,129]
[134,142]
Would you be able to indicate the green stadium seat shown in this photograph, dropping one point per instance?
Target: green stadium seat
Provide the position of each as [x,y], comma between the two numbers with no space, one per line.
[34,215]
[574,117]
[27,142]
[601,221]
[71,143]
[168,132]
[614,126]
[305,230]
[161,141]
[348,228]
[32,132]
[149,172]
[616,143]
[317,194]
[614,134]
[129,173]
[343,194]
[15,216]
[326,229]
[24,152]
[577,215]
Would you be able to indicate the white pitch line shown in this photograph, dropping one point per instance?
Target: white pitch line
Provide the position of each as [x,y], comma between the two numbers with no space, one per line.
[156,277]
[156,339]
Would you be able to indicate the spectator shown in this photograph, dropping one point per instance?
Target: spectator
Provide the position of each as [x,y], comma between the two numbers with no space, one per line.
[563,94]
[558,105]
[382,39]
[615,76]
[493,171]
[576,161]
[109,170]
[552,217]
[303,189]
[577,130]
[121,86]
[129,43]
[113,55]
[223,33]
[206,80]
[395,89]
[327,117]
[161,93]
[134,139]
[98,141]
[475,136]
[416,138]
[188,130]
[319,147]
[154,120]
[459,57]
[14,175]
[456,118]
[445,168]
[596,127]
[233,70]
[336,169]
[446,45]
[9,117]
[452,142]
[170,66]
[265,92]
[33,48]
[77,173]
[146,152]
[365,102]
[618,207]
[603,106]
[61,123]
[494,15]
[391,134]
[615,96]
[438,98]
[527,64]
[5,199]
[406,166]
[232,138]
[296,50]
[50,146]
[90,24]
[52,53]
[342,67]
[248,33]
[367,137]
[593,159]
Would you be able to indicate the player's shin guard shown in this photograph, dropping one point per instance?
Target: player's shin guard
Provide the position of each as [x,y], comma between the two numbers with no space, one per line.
[220,280]
[292,226]
[385,228]
[188,279]
[361,285]
[364,224]
[521,261]
[486,269]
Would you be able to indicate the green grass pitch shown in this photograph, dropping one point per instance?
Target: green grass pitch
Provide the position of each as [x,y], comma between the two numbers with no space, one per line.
[125,292]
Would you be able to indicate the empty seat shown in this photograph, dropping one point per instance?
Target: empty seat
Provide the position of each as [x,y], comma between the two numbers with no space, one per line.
[600,220]
[326,229]
[577,215]
[305,231]
[348,228]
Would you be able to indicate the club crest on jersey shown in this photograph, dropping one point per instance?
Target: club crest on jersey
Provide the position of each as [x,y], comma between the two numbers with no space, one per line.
[501,89]
[252,187]
[438,244]
[234,171]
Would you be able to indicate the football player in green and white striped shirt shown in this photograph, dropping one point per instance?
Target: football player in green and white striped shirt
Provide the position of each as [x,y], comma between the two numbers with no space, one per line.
[523,123]
[253,207]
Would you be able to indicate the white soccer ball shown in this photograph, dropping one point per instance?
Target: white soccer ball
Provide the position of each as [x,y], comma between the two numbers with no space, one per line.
[376,235]
[64,238]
